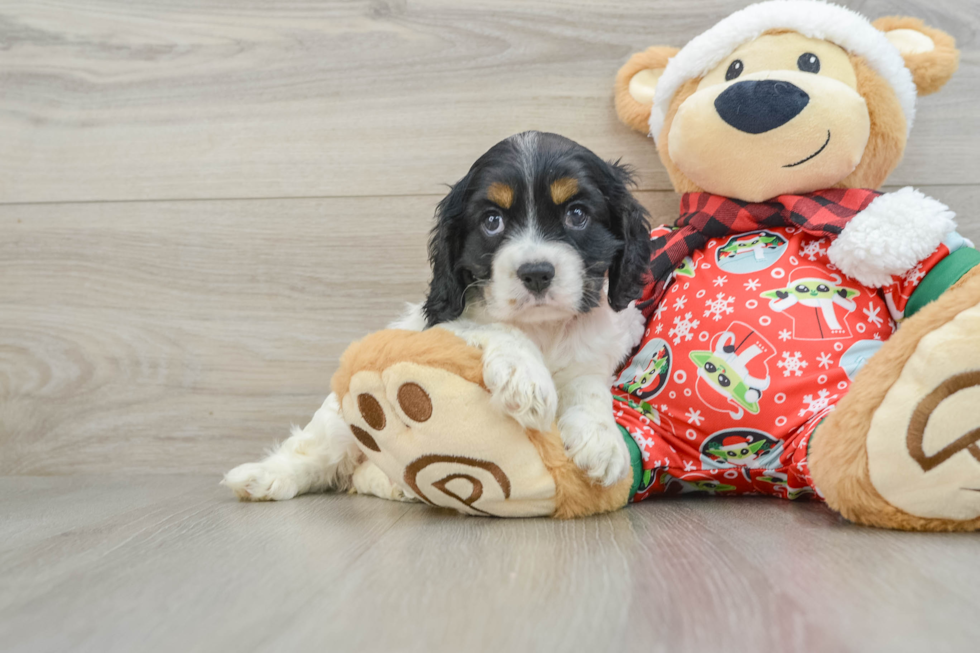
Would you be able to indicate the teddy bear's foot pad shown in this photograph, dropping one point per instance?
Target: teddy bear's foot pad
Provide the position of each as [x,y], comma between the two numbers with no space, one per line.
[924,442]
[440,438]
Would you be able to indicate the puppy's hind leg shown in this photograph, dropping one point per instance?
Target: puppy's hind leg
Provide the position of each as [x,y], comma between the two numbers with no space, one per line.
[321,456]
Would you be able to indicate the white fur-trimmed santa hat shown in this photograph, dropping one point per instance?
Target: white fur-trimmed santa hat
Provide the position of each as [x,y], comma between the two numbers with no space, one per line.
[812,18]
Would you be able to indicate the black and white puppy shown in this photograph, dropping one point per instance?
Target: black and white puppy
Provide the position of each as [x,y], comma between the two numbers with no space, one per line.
[536,256]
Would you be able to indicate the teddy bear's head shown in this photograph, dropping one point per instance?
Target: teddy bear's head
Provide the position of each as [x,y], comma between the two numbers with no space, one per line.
[787,96]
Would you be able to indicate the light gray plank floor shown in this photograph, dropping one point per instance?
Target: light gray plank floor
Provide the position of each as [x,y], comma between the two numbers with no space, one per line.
[172,563]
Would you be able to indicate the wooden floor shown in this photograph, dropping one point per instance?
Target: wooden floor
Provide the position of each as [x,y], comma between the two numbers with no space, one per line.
[202,203]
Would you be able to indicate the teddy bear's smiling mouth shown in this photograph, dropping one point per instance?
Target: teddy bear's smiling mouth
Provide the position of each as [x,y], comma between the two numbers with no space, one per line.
[822,148]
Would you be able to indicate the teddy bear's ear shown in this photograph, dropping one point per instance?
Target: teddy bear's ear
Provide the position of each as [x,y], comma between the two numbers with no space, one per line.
[635,83]
[929,53]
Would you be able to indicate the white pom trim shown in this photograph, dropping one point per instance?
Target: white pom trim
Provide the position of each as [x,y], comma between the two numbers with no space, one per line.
[891,236]
[812,18]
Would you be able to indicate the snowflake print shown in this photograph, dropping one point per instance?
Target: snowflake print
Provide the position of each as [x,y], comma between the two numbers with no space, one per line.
[689,466]
[659,311]
[814,406]
[915,275]
[785,335]
[694,417]
[645,443]
[683,328]
[720,281]
[679,302]
[824,361]
[877,336]
[792,364]
[718,306]
[660,327]
[751,284]
[872,313]
[813,250]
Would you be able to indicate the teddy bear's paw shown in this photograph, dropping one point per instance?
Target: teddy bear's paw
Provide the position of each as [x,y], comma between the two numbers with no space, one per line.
[924,441]
[262,481]
[432,435]
[521,387]
[596,445]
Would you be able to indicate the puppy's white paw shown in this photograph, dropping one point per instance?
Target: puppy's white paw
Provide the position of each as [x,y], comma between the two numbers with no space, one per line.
[369,479]
[523,388]
[260,482]
[597,447]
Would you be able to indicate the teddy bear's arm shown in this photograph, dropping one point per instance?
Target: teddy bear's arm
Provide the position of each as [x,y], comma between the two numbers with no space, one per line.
[891,236]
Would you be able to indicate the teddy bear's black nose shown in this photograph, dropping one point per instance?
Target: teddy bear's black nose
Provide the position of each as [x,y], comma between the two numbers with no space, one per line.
[757,106]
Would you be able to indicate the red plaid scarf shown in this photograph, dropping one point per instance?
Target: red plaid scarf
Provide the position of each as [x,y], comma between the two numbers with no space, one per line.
[705,216]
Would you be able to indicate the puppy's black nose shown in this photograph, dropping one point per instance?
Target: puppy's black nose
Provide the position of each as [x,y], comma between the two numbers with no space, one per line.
[536,277]
[758,106]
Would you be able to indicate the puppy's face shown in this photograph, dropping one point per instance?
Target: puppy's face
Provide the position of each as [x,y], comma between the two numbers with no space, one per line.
[534,231]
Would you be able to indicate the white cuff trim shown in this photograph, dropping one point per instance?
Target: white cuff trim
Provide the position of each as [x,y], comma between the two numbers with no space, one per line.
[895,232]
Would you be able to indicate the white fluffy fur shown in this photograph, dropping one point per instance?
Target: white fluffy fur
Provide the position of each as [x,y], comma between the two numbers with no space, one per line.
[891,236]
[812,18]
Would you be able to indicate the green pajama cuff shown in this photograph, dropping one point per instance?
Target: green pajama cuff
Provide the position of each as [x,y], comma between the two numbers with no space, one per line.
[947,272]
[636,460]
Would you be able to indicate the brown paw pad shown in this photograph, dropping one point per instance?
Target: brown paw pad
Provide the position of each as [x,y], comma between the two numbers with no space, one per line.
[364,438]
[371,411]
[415,402]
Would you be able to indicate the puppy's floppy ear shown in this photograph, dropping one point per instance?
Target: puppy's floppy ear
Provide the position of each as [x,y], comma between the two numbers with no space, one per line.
[630,269]
[635,83]
[447,289]
[929,53]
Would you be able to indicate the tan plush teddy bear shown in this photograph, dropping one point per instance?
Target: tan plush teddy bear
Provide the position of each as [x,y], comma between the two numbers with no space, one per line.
[772,360]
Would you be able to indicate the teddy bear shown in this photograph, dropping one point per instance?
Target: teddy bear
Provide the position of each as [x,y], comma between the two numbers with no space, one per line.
[772,362]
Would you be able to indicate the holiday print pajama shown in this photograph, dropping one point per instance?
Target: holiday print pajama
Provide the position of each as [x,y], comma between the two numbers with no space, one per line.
[756,339]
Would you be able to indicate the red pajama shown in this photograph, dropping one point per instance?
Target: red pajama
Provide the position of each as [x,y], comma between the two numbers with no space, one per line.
[755,339]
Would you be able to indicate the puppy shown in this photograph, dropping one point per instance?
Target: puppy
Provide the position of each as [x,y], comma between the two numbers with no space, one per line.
[536,256]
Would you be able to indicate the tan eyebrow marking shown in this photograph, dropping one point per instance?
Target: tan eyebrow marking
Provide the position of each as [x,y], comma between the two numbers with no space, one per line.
[563,189]
[501,194]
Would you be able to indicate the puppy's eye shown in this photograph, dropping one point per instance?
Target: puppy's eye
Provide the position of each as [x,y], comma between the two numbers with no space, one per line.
[808,63]
[493,224]
[576,218]
[734,70]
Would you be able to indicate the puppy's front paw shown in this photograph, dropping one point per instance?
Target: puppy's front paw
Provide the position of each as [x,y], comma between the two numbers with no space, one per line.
[521,388]
[260,482]
[597,447]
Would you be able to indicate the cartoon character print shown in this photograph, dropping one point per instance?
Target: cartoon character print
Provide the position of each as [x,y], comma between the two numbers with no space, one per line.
[744,448]
[750,252]
[782,483]
[686,268]
[648,414]
[725,369]
[857,355]
[816,301]
[689,482]
[648,371]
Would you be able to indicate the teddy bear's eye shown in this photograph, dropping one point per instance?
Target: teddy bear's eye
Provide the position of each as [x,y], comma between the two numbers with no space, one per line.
[808,63]
[735,69]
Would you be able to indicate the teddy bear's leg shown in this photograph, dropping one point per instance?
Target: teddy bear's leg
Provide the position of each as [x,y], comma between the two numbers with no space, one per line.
[902,449]
[419,407]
